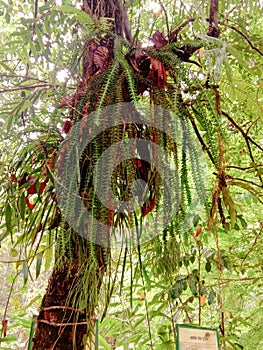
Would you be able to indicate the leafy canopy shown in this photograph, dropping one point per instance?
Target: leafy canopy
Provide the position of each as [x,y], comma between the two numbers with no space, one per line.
[192,276]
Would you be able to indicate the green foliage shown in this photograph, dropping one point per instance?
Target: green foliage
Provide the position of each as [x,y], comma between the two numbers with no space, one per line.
[183,275]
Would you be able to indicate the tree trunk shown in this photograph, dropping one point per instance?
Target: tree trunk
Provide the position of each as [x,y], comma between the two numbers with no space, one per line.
[60,326]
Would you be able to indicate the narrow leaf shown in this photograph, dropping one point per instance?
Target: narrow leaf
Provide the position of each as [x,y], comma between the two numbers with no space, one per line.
[104,343]
[8,217]
[38,264]
[22,206]
[25,271]
[48,258]
[230,205]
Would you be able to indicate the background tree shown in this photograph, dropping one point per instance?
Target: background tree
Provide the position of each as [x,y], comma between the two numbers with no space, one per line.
[213,82]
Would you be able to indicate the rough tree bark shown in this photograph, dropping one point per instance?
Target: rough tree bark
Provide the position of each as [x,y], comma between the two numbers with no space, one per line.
[59,325]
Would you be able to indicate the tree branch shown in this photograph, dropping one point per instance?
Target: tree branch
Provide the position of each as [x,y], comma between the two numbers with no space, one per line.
[254,243]
[174,33]
[205,148]
[248,181]
[247,139]
[29,87]
[244,134]
[243,35]
[213,29]
[166,17]
[242,168]
[24,77]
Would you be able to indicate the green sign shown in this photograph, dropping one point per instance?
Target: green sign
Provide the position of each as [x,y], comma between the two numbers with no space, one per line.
[196,338]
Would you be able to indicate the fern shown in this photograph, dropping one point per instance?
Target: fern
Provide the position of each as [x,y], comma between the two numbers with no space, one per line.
[209,127]
[185,178]
[111,81]
[119,56]
[196,166]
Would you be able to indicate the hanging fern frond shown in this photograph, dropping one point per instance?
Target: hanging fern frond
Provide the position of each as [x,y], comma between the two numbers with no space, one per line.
[120,57]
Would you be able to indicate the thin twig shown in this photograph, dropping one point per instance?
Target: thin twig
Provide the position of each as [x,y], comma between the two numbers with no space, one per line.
[33,32]
[253,47]
[242,168]
[166,17]
[229,12]
[244,134]
[254,244]
[250,126]
[204,146]
[9,296]
[28,87]
[243,279]
[221,170]
[248,181]
[24,77]
[199,283]
[185,310]
[174,33]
